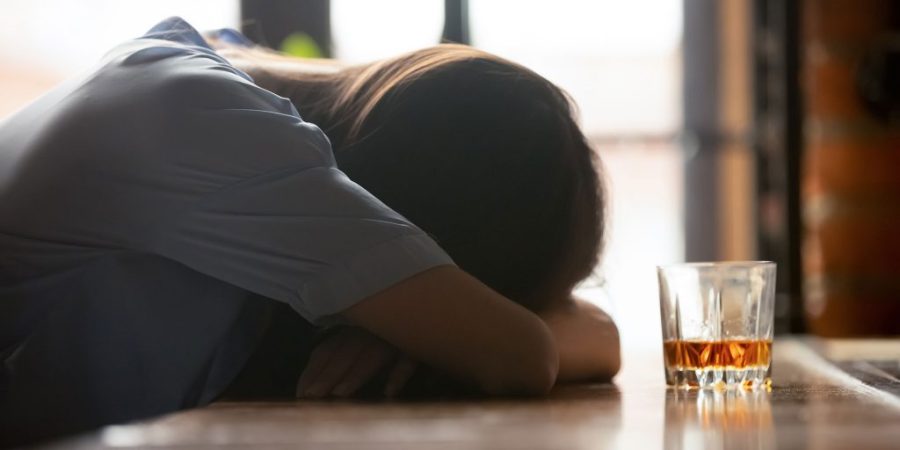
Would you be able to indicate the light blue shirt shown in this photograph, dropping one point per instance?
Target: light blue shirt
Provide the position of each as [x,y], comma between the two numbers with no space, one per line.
[167,149]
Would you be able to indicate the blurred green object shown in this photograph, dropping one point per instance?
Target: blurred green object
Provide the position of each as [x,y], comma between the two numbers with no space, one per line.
[301,45]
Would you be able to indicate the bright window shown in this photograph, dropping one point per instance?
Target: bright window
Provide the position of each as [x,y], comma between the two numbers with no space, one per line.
[366,30]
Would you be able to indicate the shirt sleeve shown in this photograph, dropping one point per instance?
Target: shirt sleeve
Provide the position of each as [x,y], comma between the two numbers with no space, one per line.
[309,237]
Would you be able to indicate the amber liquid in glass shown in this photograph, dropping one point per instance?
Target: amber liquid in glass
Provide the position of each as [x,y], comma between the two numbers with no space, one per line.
[730,356]
[738,353]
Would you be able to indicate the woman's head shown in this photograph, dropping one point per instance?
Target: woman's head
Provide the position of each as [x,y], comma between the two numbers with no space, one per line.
[482,154]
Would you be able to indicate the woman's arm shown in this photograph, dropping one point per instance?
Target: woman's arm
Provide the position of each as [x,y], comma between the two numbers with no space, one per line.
[587,341]
[449,320]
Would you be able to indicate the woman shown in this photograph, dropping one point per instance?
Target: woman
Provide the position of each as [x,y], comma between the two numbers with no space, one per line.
[153,211]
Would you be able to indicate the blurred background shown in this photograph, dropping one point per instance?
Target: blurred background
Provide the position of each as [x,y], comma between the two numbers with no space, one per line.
[729,130]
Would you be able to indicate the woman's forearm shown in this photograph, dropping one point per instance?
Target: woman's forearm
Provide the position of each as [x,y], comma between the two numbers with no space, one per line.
[587,341]
[447,319]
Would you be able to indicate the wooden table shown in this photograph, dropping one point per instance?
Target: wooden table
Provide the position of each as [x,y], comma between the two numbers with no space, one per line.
[813,405]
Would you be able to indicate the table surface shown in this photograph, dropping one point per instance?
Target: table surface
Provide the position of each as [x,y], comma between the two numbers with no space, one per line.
[813,404]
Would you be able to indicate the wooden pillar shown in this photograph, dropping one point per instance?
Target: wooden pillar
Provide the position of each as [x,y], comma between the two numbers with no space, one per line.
[851,177]
[777,130]
[719,165]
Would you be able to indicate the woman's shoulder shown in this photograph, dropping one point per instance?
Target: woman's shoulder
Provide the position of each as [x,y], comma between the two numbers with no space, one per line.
[172,75]
[174,69]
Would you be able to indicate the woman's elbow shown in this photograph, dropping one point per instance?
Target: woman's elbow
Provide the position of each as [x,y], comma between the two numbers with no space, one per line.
[532,370]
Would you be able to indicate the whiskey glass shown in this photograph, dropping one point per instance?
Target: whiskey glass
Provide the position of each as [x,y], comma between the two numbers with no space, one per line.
[717,324]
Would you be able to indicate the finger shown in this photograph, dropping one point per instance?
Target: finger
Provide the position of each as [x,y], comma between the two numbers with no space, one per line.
[337,366]
[318,359]
[402,371]
[375,357]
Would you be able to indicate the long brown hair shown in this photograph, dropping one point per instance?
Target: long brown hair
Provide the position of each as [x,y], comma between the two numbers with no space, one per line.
[483,154]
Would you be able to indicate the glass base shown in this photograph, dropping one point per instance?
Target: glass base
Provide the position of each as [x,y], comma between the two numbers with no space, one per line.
[719,378]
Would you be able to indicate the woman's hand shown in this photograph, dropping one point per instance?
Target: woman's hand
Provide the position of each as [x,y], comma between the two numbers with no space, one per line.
[587,340]
[349,358]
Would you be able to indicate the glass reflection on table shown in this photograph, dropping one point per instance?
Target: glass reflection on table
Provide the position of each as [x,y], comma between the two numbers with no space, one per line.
[733,419]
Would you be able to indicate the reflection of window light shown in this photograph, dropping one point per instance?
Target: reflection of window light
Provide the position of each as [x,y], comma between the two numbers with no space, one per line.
[365,30]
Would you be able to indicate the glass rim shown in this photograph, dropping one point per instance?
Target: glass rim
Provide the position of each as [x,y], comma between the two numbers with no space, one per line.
[715,264]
